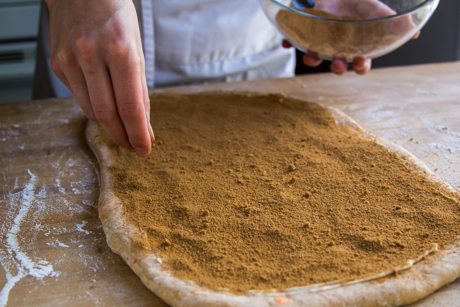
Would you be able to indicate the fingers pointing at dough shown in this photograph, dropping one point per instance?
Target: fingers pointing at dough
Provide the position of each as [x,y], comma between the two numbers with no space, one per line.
[96,51]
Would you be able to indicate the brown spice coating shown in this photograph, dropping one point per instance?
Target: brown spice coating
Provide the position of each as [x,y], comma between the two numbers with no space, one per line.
[242,222]
[330,37]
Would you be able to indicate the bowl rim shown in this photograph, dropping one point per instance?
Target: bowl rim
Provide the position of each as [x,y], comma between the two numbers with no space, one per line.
[356,20]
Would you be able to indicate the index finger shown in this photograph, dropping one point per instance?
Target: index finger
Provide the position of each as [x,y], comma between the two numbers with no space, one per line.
[126,74]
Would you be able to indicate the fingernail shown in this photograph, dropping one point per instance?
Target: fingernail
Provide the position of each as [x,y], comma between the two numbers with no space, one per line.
[337,72]
[152,135]
[141,152]
[360,68]
[286,44]
[360,64]
[365,68]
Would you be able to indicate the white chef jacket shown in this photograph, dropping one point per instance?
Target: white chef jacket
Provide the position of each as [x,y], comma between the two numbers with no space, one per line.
[198,41]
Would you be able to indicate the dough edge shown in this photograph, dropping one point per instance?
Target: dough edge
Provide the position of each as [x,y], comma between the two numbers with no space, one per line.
[409,286]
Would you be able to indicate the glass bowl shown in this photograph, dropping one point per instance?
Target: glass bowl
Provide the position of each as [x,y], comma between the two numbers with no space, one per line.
[329,36]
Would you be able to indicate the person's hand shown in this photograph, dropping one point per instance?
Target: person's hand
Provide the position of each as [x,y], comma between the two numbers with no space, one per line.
[366,9]
[361,65]
[96,52]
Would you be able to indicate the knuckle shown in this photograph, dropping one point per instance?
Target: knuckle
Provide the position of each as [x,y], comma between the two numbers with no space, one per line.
[55,66]
[63,58]
[103,114]
[84,47]
[124,52]
[57,69]
[140,59]
[118,48]
[129,110]
[89,114]
[137,59]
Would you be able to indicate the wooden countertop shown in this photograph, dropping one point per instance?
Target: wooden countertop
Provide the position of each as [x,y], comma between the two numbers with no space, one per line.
[53,250]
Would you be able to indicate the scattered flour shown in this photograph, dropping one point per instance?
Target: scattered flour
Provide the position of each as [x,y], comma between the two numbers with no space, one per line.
[422,91]
[80,228]
[443,148]
[61,244]
[39,236]
[24,264]
[58,185]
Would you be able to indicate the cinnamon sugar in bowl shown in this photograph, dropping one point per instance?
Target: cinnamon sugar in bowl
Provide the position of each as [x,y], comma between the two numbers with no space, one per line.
[348,36]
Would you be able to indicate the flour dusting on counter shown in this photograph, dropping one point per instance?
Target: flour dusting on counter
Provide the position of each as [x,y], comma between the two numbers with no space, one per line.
[47,138]
[80,228]
[51,236]
[23,263]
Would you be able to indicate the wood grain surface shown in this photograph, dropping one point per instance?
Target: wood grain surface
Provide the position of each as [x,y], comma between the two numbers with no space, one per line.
[53,250]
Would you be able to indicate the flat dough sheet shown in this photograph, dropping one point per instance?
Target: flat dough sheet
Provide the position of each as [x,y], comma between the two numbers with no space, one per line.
[424,277]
